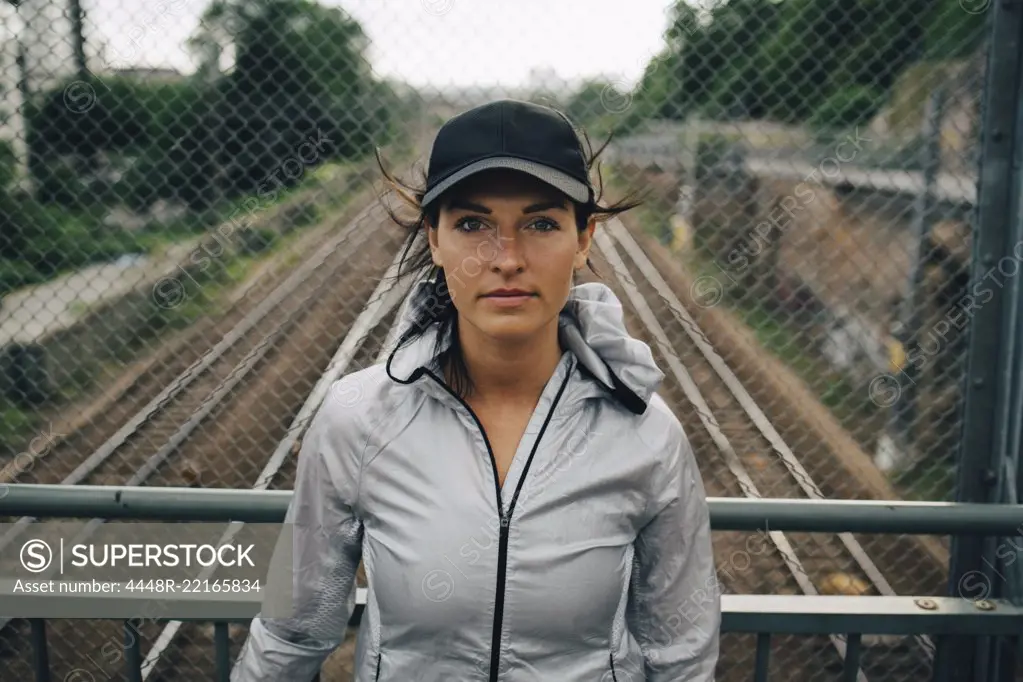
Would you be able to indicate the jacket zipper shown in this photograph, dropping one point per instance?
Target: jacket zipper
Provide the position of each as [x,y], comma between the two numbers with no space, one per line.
[614,677]
[377,676]
[502,551]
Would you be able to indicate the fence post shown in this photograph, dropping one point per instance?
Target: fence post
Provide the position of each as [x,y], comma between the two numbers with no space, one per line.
[907,330]
[682,230]
[990,439]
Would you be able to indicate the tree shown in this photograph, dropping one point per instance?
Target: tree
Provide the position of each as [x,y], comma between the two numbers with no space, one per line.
[781,59]
[299,72]
[588,102]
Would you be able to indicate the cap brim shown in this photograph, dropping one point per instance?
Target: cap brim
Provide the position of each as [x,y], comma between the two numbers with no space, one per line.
[575,189]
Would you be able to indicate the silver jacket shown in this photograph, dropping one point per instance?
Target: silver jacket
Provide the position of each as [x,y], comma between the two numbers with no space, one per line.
[592,563]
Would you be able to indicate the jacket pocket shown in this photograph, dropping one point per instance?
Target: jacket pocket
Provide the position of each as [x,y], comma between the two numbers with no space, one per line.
[611,657]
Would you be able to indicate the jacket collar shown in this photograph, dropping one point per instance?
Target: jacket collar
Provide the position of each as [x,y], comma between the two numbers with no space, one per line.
[592,329]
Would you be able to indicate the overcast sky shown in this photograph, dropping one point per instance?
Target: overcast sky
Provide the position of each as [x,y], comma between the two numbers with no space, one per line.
[435,42]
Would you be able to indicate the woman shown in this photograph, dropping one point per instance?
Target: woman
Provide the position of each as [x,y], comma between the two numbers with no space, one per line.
[525,505]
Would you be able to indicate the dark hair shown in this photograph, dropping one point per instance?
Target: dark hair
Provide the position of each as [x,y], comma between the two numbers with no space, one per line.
[443,312]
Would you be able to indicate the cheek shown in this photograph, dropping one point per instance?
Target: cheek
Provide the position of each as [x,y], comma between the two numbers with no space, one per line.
[556,258]
[556,266]
[463,267]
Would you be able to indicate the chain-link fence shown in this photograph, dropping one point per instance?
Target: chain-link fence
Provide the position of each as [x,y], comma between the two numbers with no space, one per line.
[188,230]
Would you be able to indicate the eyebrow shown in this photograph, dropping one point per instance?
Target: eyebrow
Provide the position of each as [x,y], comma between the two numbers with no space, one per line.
[544,205]
[532,208]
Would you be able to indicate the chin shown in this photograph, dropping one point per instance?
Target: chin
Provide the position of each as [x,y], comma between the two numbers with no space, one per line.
[510,327]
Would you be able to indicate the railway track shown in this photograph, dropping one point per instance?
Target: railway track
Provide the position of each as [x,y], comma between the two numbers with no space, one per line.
[184,651]
[173,440]
[740,452]
[733,439]
[98,420]
[168,419]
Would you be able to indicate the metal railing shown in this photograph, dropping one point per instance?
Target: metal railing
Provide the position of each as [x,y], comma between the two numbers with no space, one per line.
[766,616]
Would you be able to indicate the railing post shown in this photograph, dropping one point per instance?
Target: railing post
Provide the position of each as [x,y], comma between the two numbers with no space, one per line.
[222,644]
[40,652]
[990,443]
[133,653]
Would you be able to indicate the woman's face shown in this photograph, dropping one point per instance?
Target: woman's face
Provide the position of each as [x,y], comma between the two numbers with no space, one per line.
[509,246]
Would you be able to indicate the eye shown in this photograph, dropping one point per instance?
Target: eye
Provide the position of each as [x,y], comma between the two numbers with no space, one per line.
[469,224]
[545,225]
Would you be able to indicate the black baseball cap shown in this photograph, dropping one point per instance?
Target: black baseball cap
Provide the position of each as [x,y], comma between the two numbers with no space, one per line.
[512,134]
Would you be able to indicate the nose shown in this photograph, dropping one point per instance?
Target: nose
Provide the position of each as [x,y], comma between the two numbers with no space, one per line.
[508,254]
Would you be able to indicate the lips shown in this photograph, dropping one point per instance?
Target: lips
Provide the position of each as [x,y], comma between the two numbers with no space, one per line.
[509,299]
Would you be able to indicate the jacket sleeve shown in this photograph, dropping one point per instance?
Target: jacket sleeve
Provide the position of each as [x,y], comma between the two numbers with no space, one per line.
[674,607]
[327,542]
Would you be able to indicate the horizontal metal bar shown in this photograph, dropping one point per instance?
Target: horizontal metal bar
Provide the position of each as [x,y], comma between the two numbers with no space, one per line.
[122,603]
[751,613]
[862,516]
[144,503]
[269,506]
[804,615]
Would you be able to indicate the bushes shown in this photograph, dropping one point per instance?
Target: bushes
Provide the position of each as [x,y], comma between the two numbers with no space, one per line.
[14,274]
[765,59]
[257,239]
[39,241]
[300,94]
[845,108]
[714,150]
[124,147]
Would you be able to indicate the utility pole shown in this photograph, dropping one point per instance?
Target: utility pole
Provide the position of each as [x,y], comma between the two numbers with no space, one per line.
[78,39]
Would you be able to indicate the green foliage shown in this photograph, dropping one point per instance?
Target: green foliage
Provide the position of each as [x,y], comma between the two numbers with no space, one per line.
[953,33]
[40,241]
[257,240]
[299,215]
[711,50]
[300,76]
[39,238]
[796,60]
[15,422]
[135,126]
[7,164]
[300,93]
[712,150]
[847,107]
[587,103]
[82,117]
[15,274]
[658,93]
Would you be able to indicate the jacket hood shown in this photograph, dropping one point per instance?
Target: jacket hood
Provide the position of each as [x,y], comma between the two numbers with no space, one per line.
[591,326]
